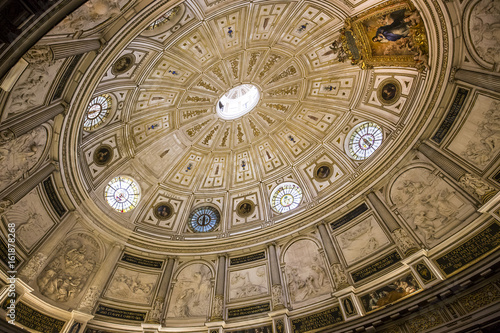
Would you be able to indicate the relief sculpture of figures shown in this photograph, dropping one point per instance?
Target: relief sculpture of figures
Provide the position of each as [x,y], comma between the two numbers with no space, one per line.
[248,282]
[191,294]
[305,272]
[428,204]
[131,286]
[64,277]
[485,30]
[20,155]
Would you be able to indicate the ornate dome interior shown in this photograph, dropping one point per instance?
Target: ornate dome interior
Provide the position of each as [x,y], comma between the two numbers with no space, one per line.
[250,166]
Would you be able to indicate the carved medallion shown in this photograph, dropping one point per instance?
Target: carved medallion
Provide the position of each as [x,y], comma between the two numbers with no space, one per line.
[163,211]
[389,91]
[103,155]
[322,171]
[245,208]
[123,64]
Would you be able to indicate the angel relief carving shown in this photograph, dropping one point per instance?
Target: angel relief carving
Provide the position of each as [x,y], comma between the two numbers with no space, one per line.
[429,204]
[20,155]
[64,277]
[305,272]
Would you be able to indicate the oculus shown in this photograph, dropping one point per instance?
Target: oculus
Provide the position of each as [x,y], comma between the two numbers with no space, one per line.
[97,111]
[123,64]
[238,101]
[163,211]
[364,139]
[245,208]
[204,219]
[389,91]
[103,155]
[285,197]
[122,194]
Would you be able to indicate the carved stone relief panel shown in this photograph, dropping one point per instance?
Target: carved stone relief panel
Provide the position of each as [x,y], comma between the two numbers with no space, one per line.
[362,239]
[190,295]
[271,159]
[89,16]
[32,87]
[31,219]
[478,139]
[248,283]
[295,142]
[18,156]
[431,207]
[323,56]
[484,29]
[318,119]
[246,207]
[305,272]
[72,264]
[128,285]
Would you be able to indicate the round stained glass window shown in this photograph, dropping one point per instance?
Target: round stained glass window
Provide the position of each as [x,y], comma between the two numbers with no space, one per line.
[97,110]
[122,193]
[285,197]
[204,219]
[238,101]
[163,19]
[364,139]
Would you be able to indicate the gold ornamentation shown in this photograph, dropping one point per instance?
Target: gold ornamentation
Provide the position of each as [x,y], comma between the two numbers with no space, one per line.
[218,72]
[424,322]
[290,71]
[253,60]
[254,128]
[271,61]
[209,136]
[285,91]
[193,113]
[197,99]
[224,138]
[197,128]
[207,86]
[480,298]
[234,67]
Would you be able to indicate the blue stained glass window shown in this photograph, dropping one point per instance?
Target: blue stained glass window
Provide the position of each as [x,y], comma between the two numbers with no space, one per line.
[204,219]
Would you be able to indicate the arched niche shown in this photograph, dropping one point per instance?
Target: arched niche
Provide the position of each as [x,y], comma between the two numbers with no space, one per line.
[191,291]
[306,275]
[71,267]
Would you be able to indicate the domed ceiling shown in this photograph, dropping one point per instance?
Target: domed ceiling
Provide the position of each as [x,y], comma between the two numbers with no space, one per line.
[164,131]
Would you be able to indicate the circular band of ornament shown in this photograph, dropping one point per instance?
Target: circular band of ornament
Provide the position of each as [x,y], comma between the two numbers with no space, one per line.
[103,155]
[163,211]
[123,64]
[323,171]
[389,91]
[204,219]
[245,208]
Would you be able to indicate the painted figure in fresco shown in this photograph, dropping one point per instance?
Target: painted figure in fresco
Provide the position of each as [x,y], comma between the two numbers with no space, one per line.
[396,28]
[323,172]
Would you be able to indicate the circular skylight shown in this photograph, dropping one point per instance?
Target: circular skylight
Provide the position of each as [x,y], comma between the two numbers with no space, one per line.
[285,197]
[122,193]
[364,139]
[238,101]
[97,111]
[204,219]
